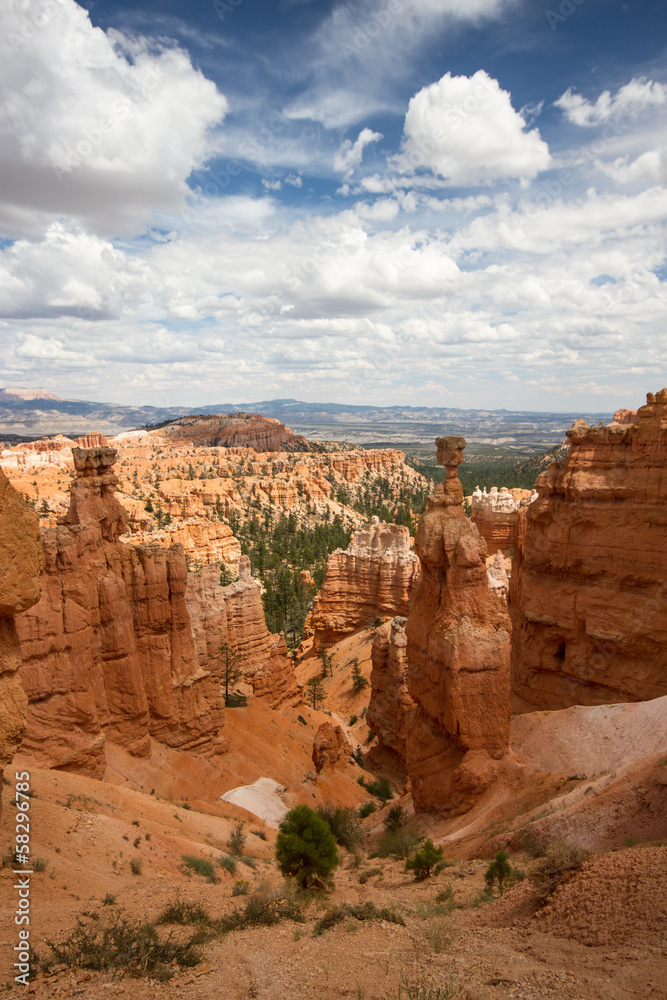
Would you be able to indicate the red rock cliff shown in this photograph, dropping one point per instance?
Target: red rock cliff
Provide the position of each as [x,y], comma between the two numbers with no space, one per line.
[371,579]
[21,563]
[588,594]
[458,655]
[235,430]
[496,515]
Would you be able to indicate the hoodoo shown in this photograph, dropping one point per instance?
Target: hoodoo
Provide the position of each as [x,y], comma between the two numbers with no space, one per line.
[124,643]
[458,655]
[371,579]
[588,594]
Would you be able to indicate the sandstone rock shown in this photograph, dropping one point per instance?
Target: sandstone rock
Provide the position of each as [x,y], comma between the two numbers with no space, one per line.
[21,562]
[496,514]
[330,748]
[371,579]
[625,416]
[203,542]
[276,681]
[497,577]
[108,651]
[587,595]
[390,703]
[458,656]
[234,430]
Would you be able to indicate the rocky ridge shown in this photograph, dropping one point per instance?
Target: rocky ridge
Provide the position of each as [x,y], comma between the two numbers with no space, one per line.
[587,595]
[123,644]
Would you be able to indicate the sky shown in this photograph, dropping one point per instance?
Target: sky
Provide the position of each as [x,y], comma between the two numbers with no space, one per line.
[394,202]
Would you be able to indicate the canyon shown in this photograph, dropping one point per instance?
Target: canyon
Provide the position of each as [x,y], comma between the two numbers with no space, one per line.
[125,716]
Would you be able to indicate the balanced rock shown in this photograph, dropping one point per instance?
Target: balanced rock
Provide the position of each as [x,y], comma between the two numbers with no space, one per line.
[588,594]
[458,636]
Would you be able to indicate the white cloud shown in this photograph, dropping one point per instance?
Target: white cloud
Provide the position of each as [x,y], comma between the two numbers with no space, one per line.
[349,156]
[90,120]
[635,97]
[648,168]
[466,131]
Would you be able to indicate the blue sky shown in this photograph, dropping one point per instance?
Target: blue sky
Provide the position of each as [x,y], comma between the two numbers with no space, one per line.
[440,202]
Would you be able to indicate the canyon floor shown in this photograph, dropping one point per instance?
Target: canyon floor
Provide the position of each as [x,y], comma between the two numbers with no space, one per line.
[600,936]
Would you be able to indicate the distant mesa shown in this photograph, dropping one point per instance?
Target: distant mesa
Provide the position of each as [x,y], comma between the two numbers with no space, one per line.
[18,392]
[235,430]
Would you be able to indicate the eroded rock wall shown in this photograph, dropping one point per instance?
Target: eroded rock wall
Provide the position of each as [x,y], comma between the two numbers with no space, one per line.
[372,578]
[588,594]
[496,515]
[124,643]
[458,652]
[21,562]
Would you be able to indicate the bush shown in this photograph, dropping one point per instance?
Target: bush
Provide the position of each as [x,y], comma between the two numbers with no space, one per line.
[306,847]
[241,887]
[366,809]
[379,787]
[237,839]
[183,913]
[202,866]
[397,843]
[229,864]
[259,833]
[353,719]
[395,819]
[367,911]
[499,869]
[119,942]
[263,908]
[425,860]
[559,859]
[136,866]
[344,824]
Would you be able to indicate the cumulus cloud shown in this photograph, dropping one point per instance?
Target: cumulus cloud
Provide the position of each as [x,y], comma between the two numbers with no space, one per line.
[650,167]
[95,126]
[635,97]
[466,131]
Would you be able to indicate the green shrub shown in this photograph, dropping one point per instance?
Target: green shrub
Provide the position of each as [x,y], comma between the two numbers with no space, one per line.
[397,843]
[40,864]
[241,887]
[395,819]
[237,840]
[136,866]
[344,824]
[359,756]
[353,719]
[263,908]
[109,899]
[183,913]
[499,869]
[369,873]
[559,859]
[301,719]
[119,942]
[306,847]
[229,864]
[425,860]
[379,787]
[366,809]
[366,911]
[202,866]
[259,833]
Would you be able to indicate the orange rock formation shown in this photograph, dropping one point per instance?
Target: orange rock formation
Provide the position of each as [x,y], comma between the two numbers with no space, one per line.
[496,515]
[458,655]
[371,579]
[235,430]
[21,562]
[587,595]
[390,704]
[123,645]
[330,747]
